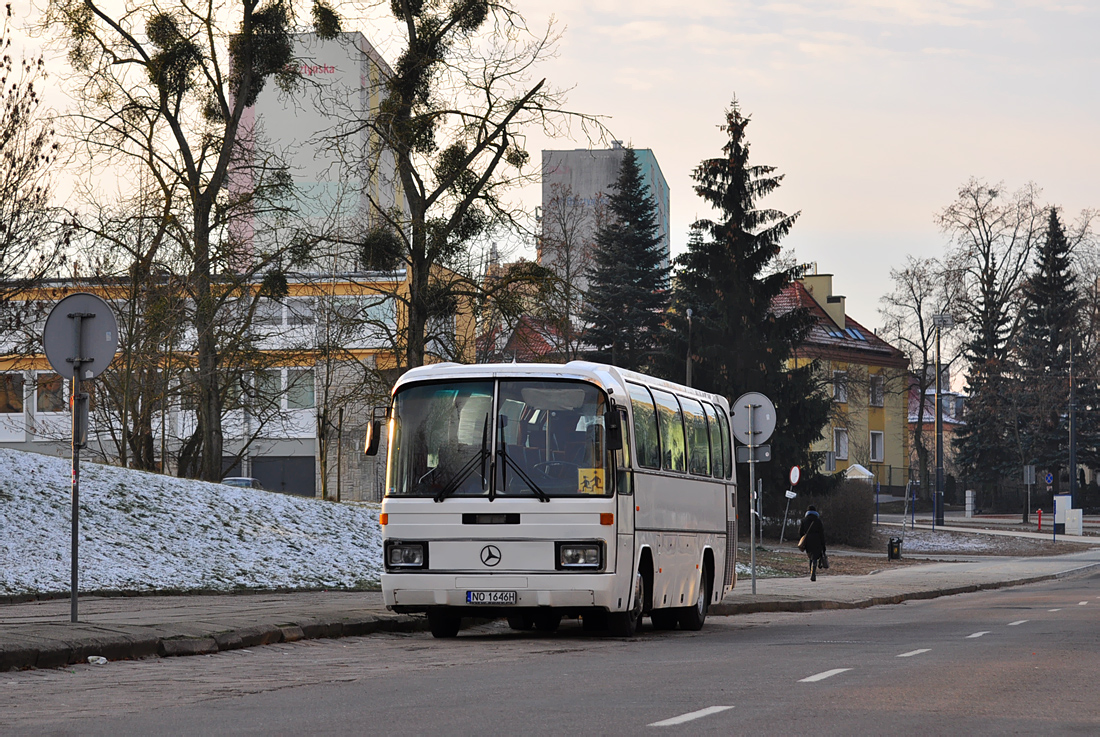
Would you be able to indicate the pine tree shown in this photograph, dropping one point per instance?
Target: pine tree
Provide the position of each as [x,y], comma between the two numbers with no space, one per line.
[628,285]
[729,278]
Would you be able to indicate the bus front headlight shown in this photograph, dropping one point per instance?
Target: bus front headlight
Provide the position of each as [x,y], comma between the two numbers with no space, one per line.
[585,556]
[406,555]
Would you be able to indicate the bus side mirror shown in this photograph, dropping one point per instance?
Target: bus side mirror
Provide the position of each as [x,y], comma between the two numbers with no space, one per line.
[374,435]
[614,429]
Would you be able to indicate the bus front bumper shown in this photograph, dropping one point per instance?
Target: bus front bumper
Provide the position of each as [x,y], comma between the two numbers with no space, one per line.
[409,592]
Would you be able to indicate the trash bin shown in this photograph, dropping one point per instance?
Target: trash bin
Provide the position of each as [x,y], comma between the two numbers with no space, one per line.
[893,549]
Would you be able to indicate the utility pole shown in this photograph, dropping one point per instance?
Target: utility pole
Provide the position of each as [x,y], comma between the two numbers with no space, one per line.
[688,382]
[1072,433]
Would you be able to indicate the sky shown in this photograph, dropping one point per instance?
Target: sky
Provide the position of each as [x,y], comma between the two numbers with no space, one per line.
[875,111]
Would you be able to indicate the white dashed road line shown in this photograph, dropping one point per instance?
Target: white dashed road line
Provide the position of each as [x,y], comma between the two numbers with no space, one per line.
[823,676]
[977,634]
[1054,610]
[911,653]
[690,716]
[1018,622]
[1082,603]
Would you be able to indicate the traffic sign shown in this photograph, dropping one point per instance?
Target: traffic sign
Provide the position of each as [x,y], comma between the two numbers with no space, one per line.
[1049,478]
[756,410]
[795,475]
[81,330]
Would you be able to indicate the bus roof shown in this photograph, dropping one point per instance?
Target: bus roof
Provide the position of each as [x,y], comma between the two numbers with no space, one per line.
[610,378]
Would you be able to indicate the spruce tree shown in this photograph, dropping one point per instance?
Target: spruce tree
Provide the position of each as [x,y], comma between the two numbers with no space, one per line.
[1049,342]
[729,277]
[628,285]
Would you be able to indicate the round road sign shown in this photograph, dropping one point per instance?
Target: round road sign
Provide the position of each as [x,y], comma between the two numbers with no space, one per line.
[795,475]
[1050,478]
[98,335]
[762,412]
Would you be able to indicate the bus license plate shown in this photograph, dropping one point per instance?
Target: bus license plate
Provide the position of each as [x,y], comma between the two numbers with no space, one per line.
[490,597]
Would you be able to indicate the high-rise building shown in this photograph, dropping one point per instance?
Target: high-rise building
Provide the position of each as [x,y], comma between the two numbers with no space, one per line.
[575,187]
[319,130]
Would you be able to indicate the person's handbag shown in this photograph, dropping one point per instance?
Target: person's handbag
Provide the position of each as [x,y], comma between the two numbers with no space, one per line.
[825,561]
[802,544]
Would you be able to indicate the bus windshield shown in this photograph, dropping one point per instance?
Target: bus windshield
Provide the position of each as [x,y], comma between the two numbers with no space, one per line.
[538,438]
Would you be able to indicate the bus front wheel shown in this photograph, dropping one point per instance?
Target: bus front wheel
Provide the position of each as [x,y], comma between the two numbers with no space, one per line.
[624,624]
[443,624]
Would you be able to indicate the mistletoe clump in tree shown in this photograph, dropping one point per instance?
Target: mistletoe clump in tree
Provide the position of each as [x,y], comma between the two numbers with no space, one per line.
[730,279]
[628,283]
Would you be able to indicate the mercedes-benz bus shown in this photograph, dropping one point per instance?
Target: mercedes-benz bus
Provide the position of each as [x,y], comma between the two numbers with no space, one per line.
[538,491]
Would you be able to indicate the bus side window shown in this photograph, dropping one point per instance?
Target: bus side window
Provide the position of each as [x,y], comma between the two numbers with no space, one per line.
[724,423]
[671,423]
[698,442]
[624,477]
[716,459]
[645,427]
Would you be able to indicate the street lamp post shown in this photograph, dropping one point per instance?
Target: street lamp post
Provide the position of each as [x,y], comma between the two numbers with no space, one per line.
[688,382]
[941,322]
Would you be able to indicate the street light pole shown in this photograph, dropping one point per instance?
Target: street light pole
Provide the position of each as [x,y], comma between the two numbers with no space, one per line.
[688,382]
[940,321]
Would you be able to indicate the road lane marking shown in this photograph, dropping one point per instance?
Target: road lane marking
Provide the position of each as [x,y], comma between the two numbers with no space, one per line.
[1082,603]
[1054,610]
[977,634]
[911,653]
[690,716]
[823,676]
[1018,621]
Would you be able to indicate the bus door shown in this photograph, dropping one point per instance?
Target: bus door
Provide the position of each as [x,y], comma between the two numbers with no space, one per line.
[731,535]
[624,493]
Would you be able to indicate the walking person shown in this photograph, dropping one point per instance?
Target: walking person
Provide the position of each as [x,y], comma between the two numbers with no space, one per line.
[812,540]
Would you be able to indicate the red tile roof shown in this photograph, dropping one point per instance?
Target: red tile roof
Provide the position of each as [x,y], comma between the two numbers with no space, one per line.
[826,339]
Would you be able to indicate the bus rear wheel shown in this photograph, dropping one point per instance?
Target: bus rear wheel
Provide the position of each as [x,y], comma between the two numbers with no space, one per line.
[547,621]
[692,617]
[443,624]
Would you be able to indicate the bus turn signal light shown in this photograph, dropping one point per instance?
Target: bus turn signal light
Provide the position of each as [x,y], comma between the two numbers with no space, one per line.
[383,519]
[607,518]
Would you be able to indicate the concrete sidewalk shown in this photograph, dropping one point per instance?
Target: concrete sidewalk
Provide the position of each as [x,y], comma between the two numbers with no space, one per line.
[40,635]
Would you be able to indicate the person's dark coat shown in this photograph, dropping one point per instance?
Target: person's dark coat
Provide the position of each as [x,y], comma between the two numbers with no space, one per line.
[814,531]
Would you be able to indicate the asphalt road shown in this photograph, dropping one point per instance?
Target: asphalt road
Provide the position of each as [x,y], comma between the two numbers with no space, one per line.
[1017,660]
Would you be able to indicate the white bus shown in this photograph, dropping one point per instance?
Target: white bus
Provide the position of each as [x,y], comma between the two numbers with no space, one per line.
[537,491]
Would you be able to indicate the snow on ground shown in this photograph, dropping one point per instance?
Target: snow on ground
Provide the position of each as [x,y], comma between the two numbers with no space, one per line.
[142,531]
[933,541]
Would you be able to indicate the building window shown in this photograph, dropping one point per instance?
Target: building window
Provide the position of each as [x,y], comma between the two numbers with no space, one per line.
[840,443]
[840,386]
[878,447]
[49,393]
[299,389]
[11,393]
[878,390]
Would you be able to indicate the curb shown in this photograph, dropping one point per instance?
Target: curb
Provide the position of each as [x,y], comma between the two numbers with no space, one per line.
[724,609]
[115,645]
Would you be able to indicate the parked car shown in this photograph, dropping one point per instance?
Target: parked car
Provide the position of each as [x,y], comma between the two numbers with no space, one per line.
[244,482]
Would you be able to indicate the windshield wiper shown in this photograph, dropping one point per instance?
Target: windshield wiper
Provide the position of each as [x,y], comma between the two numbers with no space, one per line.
[469,466]
[505,463]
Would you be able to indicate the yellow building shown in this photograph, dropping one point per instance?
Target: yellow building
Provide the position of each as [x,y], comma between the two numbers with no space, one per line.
[301,377]
[867,379]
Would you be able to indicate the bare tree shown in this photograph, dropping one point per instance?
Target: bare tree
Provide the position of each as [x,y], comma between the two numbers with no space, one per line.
[453,115]
[566,247]
[923,288]
[163,88]
[28,149]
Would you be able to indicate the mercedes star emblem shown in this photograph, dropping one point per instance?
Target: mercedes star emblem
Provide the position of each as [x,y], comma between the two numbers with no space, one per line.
[490,555]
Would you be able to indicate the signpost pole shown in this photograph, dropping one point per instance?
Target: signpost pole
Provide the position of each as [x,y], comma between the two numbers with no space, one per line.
[74,401]
[752,496]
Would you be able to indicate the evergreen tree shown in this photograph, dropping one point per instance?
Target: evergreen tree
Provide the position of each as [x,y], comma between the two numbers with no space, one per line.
[1049,344]
[628,285]
[729,277]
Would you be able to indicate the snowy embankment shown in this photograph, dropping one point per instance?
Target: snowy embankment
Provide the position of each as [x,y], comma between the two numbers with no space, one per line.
[145,532]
